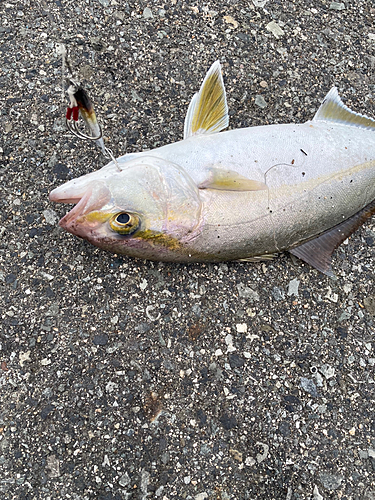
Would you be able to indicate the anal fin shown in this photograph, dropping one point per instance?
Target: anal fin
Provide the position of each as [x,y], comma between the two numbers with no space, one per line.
[259,258]
[318,251]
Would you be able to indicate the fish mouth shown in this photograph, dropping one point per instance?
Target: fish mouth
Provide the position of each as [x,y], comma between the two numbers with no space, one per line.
[68,221]
[94,197]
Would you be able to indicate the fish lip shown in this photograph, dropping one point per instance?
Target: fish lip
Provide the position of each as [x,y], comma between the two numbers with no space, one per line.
[93,197]
[67,200]
[58,195]
[68,221]
[80,203]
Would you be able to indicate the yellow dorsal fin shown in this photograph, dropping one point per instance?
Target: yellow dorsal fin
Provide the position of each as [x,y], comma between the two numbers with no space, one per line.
[333,109]
[228,180]
[208,110]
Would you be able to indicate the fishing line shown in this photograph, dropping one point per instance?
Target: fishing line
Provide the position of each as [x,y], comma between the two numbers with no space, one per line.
[72,114]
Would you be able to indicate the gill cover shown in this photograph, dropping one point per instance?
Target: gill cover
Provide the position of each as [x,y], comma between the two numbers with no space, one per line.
[161,192]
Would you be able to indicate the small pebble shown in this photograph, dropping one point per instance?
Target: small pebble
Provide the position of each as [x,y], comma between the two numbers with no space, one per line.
[201,496]
[230,20]
[330,481]
[275,29]
[101,339]
[24,357]
[327,371]
[260,102]
[250,461]
[317,495]
[260,3]
[293,287]
[309,386]
[337,6]
[50,216]
[237,455]
[241,327]
[235,361]
[124,480]
[247,292]
[147,13]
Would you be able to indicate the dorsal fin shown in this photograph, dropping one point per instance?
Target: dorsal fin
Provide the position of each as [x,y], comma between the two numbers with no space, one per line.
[333,109]
[208,110]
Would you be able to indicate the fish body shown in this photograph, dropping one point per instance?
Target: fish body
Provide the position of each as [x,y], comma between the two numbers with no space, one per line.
[233,195]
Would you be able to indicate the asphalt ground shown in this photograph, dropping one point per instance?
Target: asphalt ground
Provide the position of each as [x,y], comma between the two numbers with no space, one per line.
[125,379]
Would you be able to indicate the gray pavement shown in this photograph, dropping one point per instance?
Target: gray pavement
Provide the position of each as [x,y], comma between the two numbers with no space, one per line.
[125,379]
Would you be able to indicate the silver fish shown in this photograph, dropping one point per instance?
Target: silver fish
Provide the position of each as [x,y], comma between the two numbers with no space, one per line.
[241,194]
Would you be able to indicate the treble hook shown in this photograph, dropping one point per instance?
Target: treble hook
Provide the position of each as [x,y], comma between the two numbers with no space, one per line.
[72,126]
[80,103]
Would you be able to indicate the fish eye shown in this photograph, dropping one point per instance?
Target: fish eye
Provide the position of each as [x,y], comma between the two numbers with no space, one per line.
[123,218]
[124,223]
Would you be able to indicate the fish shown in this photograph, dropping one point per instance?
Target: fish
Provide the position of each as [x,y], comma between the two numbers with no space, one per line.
[241,194]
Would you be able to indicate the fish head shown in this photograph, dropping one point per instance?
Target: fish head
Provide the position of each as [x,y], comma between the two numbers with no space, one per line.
[149,209]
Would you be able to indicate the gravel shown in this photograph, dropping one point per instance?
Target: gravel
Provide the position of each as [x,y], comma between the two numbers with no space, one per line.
[125,379]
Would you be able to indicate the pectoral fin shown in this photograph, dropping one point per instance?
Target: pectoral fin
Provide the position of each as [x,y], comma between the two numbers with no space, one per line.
[228,180]
[318,252]
[208,110]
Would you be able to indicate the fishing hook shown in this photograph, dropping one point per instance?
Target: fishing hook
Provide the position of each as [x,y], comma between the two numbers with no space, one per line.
[71,121]
[72,126]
